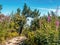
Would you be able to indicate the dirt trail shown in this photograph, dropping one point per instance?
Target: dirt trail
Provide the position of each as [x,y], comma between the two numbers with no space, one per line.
[16,40]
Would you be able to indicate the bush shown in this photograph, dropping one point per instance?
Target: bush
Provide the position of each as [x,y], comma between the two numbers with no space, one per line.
[40,37]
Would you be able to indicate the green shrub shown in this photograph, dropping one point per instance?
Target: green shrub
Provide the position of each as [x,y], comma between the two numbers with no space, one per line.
[40,37]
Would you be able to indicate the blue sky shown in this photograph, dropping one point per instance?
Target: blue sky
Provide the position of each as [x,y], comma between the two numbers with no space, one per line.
[43,5]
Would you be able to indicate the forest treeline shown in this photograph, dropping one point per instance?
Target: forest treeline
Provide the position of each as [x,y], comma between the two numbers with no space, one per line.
[44,30]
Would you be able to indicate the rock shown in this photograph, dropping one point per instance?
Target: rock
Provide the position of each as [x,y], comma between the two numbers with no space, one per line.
[16,40]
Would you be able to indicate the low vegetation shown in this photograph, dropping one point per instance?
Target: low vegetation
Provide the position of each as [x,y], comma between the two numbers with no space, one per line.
[44,30]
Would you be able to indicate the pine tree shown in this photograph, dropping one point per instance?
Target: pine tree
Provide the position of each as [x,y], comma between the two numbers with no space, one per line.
[24,11]
[0,8]
[18,11]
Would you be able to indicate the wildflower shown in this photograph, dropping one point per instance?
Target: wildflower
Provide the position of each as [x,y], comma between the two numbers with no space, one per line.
[57,24]
[49,18]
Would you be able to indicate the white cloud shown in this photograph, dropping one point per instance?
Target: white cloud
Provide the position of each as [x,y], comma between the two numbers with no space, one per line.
[45,10]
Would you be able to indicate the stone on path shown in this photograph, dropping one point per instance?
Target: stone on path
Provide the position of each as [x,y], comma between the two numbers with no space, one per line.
[16,40]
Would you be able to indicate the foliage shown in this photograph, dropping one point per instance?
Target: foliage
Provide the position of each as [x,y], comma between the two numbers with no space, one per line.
[0,8]
[41,37]
[42,31]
